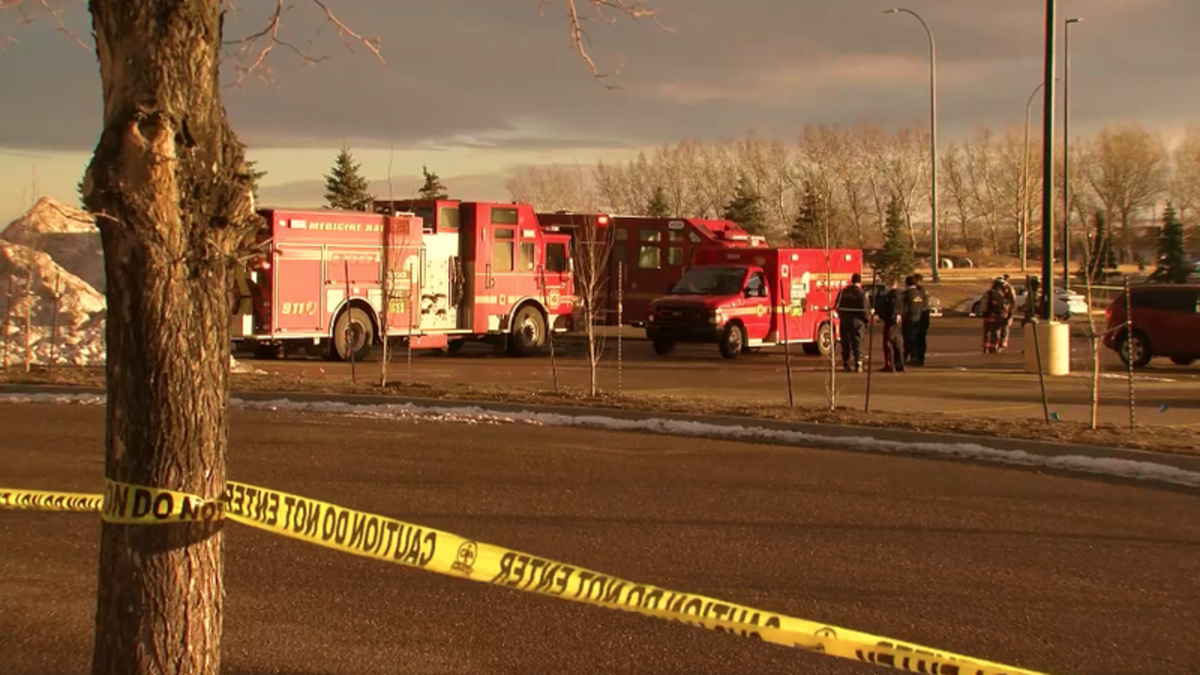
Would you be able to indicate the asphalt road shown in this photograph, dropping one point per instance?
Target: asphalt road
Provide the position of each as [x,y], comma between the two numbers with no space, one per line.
[957,380]
[1053,573]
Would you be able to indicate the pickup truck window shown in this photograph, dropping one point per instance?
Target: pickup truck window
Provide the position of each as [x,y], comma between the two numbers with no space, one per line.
[711,280]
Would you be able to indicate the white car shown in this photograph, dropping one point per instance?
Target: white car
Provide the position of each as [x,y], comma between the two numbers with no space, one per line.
[1067,303]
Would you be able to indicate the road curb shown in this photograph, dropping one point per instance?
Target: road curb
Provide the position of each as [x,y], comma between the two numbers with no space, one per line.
[835,431]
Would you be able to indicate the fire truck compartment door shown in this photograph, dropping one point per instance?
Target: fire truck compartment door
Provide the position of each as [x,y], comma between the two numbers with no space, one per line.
[297,303]
[437,312]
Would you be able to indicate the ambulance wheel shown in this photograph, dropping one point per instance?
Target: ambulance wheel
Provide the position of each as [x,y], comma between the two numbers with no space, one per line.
[528,332]
[360,339]
[824,344]
[733,338]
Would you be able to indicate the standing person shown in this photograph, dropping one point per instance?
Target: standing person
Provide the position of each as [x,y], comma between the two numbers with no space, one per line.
[888,309]
[1032,302]
[923,325]
[853,309]
[995,314]
[913,306]
[1010,301]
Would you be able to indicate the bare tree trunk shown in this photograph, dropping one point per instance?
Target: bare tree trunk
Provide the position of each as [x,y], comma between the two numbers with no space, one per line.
[8,295]
[173,202]
[28,317]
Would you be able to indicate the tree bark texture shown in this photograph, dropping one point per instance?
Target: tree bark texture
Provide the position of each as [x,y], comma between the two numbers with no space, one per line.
[172,197]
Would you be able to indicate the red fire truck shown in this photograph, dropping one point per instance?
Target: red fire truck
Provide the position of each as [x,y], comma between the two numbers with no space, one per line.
[656,253]
[337,282]
[739,299]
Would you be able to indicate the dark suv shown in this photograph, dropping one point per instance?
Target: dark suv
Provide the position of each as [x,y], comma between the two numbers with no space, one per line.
[1166,322]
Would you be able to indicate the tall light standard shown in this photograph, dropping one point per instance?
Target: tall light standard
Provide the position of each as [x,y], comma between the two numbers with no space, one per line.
[932,134]
[1048,166]
[1067,151]
[1025,179]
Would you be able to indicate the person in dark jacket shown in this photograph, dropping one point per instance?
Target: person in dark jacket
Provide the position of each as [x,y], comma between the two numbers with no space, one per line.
[913,307]
[888,307]
[854,308]
[923,325]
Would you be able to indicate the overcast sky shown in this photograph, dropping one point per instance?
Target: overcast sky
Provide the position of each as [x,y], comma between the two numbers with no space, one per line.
[475,88]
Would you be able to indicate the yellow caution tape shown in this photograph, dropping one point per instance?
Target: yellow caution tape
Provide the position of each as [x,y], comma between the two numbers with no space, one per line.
[39,500]
[395,541]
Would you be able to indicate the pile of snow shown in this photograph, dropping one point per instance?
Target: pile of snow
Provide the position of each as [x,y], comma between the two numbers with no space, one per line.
[55,243]
[30,292]
[67,234]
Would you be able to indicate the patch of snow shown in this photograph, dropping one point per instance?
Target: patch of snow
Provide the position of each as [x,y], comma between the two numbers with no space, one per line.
[1119,468]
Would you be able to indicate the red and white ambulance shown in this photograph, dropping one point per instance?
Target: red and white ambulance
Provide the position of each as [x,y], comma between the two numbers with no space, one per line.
[743,300]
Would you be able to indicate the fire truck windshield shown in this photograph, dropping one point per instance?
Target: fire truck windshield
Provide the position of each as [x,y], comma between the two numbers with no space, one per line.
[711,281]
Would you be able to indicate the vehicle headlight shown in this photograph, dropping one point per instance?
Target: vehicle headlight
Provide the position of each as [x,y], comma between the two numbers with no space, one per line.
[714,316]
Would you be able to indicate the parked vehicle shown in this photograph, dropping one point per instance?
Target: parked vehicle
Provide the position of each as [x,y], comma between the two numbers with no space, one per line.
[1067,303]
[656,253]
[339,282]
[746,299]
[1165,323]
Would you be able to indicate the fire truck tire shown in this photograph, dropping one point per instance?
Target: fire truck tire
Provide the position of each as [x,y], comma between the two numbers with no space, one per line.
[454,346]
[528,332]
[359,323]
[733,339]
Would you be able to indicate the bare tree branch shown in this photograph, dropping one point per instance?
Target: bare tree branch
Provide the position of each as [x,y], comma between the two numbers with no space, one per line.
[634,9]
[252,53]
[29,9]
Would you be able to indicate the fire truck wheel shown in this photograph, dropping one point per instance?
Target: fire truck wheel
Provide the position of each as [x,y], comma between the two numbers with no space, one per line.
[732,340]
[528,332]
[362,336]
[454,346]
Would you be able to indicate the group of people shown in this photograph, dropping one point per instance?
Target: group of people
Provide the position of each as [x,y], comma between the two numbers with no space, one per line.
[998,307]
[905,314]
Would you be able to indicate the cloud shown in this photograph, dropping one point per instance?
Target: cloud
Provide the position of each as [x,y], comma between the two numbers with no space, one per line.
[471,74]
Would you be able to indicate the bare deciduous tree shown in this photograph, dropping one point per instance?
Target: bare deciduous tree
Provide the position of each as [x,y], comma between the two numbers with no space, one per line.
[1127,167]
[1185,181]
[551,188]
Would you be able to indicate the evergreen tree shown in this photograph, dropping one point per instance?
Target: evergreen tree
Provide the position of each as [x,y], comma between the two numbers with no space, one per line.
[433,188]
[658,206]
[896,260]
[1171,255]
[807,229]
[346,188]
[746,208]
[255,175]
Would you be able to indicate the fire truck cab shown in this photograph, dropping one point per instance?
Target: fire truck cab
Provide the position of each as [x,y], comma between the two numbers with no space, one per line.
[747,299]
[432,273]
[655,253]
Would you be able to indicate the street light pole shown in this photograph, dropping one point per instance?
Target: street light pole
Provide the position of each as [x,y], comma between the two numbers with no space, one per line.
[1048,167]
[933,191]
[1067,151]
[1025,180]
[1025,183]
